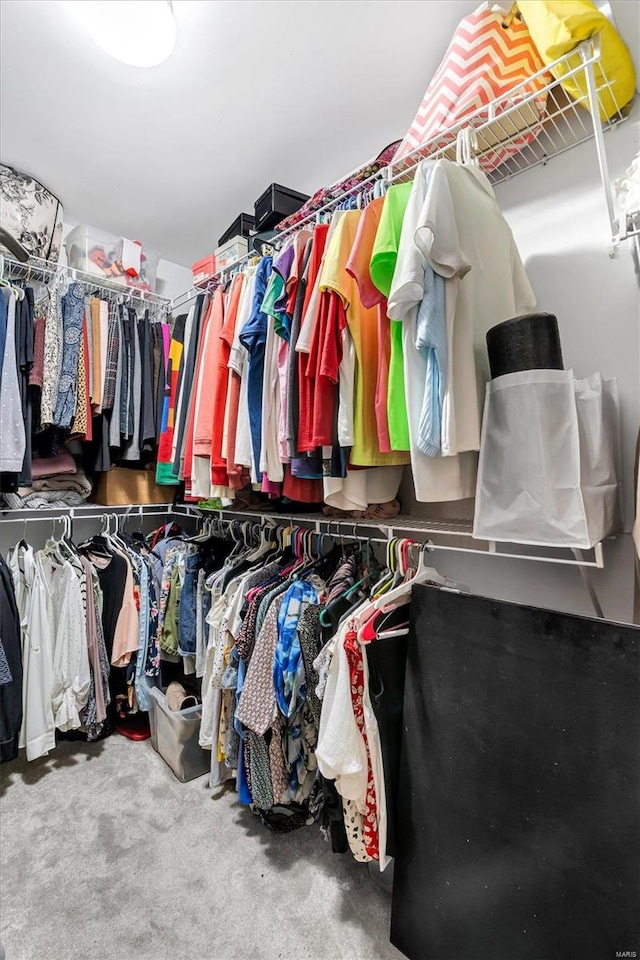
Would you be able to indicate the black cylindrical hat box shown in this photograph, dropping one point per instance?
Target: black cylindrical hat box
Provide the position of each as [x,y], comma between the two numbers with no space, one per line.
[530,342]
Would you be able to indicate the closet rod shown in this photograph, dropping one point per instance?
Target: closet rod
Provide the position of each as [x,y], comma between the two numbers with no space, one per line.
[42,514]
[421,530]
[64,516]
[36,268]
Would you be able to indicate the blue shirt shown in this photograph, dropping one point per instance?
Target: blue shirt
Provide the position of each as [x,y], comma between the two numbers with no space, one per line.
[431,341]
[253,337]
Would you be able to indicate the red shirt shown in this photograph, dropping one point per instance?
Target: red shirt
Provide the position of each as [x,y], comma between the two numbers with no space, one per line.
[306,386]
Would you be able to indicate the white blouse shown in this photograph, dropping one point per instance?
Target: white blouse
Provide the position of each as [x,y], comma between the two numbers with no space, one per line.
[67,620]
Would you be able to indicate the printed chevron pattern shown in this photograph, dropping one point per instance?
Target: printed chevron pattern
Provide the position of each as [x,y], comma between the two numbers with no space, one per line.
[483,63]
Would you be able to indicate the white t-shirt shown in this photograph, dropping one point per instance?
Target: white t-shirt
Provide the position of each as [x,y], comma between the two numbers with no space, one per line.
[441,478]
[451,213]
[465,237]
[341,752]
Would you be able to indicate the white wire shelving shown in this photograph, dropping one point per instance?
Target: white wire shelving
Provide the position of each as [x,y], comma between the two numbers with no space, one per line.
[442,534]
[531,124]
[454,535]
[35,268]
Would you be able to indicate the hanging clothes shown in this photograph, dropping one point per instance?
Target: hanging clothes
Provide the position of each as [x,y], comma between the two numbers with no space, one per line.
[384,257]
[10,667]
[164,471]
[12,435]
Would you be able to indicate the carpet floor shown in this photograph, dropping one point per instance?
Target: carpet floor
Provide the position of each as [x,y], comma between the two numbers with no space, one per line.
[104,855]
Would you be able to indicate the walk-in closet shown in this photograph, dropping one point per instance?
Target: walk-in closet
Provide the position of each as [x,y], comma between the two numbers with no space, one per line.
[319,499]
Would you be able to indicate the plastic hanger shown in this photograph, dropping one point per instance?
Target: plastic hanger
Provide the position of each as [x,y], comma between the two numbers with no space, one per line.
[402,593]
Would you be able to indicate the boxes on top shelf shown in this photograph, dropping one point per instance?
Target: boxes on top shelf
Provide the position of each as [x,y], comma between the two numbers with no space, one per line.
[241,227]
[276,203]
[228,253]
[112,258]
[204,270]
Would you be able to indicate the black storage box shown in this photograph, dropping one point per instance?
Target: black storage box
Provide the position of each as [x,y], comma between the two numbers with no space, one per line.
[241,227]
[275,204]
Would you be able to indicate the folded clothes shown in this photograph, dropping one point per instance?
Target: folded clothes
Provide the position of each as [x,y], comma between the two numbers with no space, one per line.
[61,463]
[65,490]
[43,499]
[77,482]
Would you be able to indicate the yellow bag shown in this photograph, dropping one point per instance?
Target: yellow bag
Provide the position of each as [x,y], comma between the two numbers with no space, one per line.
[558,26]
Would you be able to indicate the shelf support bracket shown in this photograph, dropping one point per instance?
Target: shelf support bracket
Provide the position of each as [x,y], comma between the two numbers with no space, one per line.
[587,580]
[598,136]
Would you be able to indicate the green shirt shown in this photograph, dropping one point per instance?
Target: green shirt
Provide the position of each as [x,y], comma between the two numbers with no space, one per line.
[382,267]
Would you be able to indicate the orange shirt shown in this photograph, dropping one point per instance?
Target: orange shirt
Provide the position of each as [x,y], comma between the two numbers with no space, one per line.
[363,326]
[358,267]
[203,420]
[189,451]
[220,377]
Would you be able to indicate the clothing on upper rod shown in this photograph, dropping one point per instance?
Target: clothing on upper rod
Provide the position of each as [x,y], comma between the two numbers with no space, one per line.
[36,269]
[318,373]
[75,367]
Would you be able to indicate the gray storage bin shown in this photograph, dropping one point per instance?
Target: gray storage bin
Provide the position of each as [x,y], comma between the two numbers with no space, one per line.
[174,734]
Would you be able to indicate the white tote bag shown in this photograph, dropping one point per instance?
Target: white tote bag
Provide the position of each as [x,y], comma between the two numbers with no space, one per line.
[548,471]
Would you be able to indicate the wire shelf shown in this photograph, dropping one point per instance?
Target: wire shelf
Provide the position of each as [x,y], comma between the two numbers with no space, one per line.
[38,269]
[533,123]
[453,535]
[525,128]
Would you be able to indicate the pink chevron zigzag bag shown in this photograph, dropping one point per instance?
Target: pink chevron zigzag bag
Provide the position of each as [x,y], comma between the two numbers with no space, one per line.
[488,56]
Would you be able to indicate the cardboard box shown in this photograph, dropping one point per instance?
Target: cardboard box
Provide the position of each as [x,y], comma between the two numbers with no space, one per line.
[204,270]
[227,255]
[121,486]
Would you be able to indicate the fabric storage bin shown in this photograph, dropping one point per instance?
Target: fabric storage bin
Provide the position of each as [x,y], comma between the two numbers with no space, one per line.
[276,203]
[203,270]
[241,227]
[100,255]
[230,252]
[549,460]
[174,735]
[121,486]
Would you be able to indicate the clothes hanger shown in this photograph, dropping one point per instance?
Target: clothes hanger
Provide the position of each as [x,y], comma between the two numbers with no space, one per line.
[387,579]
[52,547]
[18,292]
[467,147]
[402,593]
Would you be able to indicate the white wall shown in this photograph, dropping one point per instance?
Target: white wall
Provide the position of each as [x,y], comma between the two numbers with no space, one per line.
[558,217]
[173,278]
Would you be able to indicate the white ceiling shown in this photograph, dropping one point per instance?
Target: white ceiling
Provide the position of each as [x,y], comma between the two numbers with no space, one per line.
[255,92]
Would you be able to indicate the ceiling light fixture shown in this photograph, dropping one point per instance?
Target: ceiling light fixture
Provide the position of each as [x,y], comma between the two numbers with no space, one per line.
[141,33]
